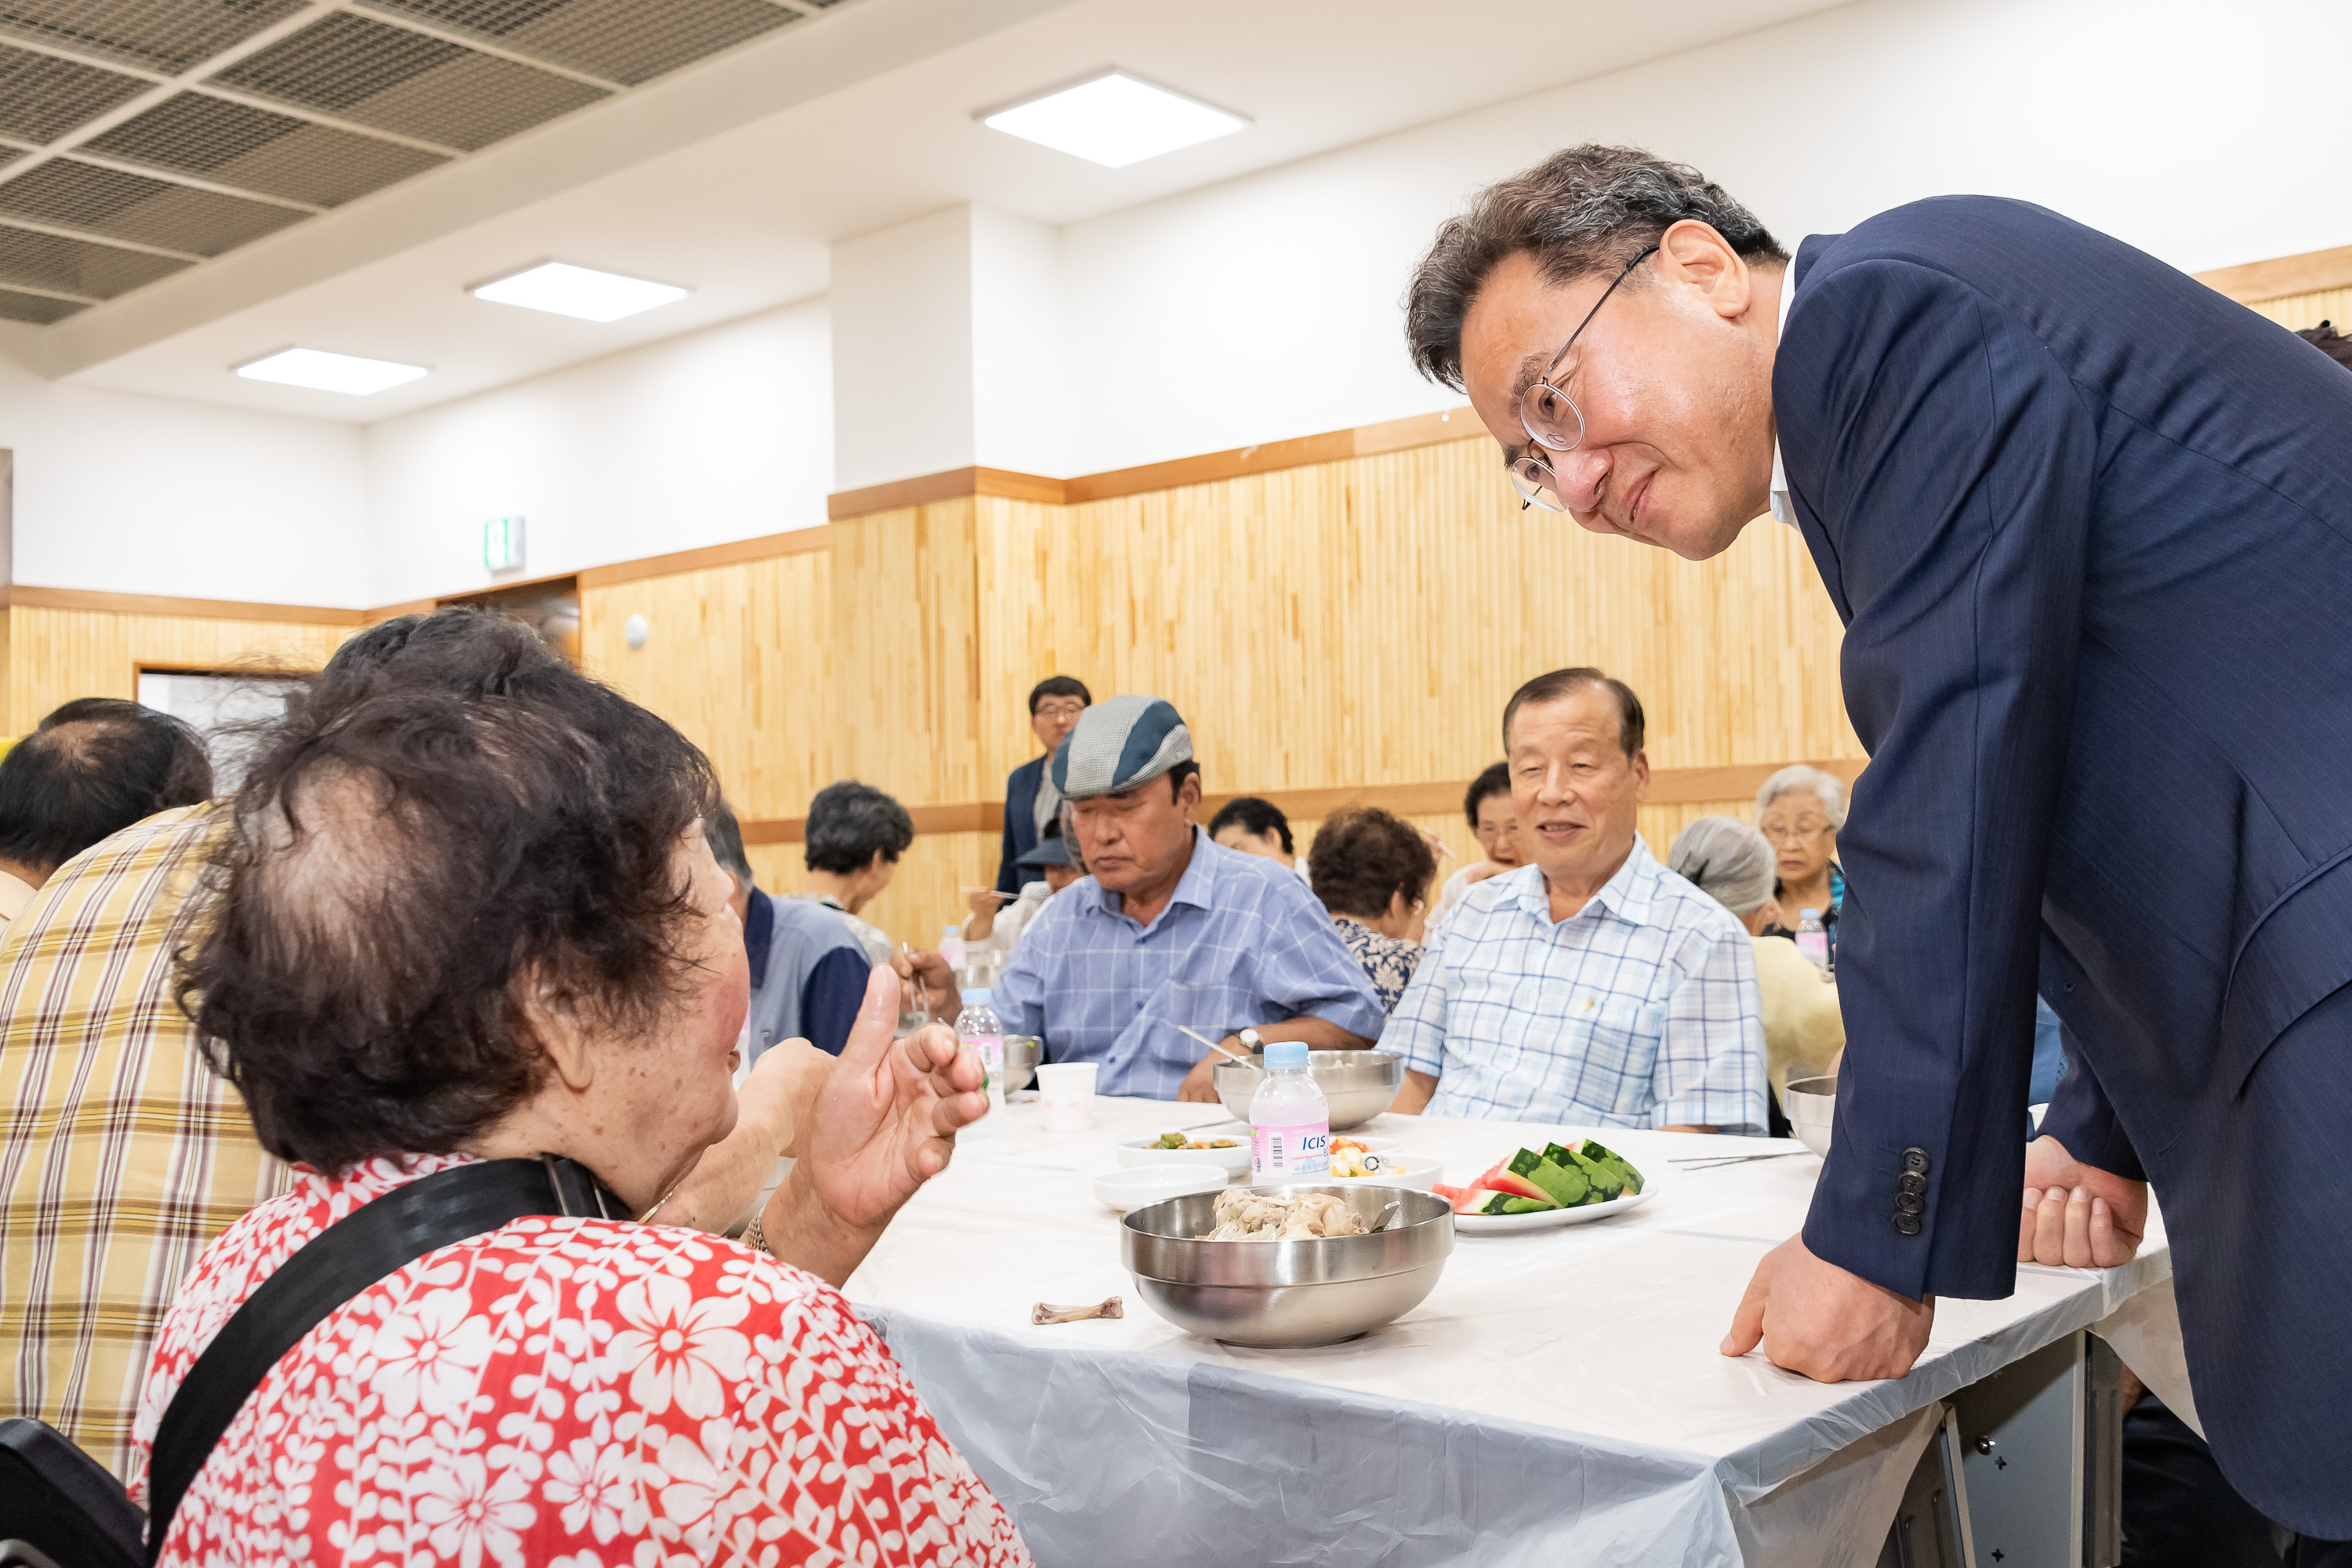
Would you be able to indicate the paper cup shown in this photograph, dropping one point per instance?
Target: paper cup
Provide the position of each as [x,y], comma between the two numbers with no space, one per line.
[1067,1090]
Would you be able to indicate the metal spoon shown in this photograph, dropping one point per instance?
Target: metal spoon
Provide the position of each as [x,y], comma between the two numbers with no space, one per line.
[1387,1214]
[1213,1045]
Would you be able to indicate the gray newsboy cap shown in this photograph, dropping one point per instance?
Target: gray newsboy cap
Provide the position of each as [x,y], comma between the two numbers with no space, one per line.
[1118,744]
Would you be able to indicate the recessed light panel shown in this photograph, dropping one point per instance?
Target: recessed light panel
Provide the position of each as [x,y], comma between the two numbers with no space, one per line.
[1115,120]
[582,291]
[324,371]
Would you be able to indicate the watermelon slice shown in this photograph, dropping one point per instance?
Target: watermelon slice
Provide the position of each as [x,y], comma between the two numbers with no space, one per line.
[1503,1179]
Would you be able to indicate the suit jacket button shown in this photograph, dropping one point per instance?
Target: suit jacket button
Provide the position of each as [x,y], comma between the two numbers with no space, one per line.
[1910,1181]
[1908,1224]
[1916,1160]
[1909,1202]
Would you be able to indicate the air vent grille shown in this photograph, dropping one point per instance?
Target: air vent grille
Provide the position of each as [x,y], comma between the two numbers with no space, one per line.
[133,207]
[138,137]
[168,36]
[37,309]
[255,149]
[618,41]
[76,266]
[392,79]
[43,97]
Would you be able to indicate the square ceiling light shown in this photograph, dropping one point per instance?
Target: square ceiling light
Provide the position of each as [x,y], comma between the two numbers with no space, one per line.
[563,289]
[1115,119]
[324,371]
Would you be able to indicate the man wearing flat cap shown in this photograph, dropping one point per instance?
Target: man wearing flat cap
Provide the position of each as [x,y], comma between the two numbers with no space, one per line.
[1169,928]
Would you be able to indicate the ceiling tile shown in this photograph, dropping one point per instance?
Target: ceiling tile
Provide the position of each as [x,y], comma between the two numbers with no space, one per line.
[76,266]
[131,206]
[620,40]
[256,149]
[168,36]
[37,309]
[43,97]
[373,74]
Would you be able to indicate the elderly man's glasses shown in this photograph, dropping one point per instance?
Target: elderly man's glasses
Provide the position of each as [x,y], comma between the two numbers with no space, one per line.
[1551,418]
[1060,710]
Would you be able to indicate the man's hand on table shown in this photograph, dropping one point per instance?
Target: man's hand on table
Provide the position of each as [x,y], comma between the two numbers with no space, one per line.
[885,1124]
[1815,1318]
[1197,1088]
[2077,1215]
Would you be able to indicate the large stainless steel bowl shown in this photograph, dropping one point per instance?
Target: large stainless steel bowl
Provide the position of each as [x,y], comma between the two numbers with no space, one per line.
[1359,1084]
[1285,1293]
[1020,1062]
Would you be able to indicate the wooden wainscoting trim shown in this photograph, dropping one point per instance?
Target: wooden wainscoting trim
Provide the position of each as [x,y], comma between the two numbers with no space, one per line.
[798,542]
[954,484]
[1668,786]
[25,595]
[2305,274]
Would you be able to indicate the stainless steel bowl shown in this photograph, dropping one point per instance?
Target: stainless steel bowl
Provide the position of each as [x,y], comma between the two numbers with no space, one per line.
[1359,1084]
[1287,1293]
[1020,1062]
[1812,1107]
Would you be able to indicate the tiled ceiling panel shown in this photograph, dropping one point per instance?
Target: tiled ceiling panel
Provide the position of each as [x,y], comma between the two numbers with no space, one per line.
[373,74]
[43,97]
[76,266]
[256,149]
[621,41]
[167,35]
[131,206]
[39,308]
[192,127]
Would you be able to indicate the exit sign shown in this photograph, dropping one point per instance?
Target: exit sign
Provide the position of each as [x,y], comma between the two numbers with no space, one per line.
[502,544]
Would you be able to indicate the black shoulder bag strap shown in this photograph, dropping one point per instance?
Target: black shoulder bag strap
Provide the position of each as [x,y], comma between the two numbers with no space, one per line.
[338,1263]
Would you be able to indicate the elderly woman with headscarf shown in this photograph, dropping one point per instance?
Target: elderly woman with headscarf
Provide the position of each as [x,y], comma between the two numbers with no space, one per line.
[451,930]
[1799,810]
[1732,863]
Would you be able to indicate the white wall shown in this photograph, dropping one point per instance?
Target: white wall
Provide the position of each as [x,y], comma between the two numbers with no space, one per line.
[126,494]
[719,434]
[1266,307]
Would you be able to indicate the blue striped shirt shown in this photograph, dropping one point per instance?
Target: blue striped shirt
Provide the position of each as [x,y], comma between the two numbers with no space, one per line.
[1639,1010]
[1240,942]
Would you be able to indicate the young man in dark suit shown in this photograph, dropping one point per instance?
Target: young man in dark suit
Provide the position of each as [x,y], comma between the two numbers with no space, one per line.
[1030,799]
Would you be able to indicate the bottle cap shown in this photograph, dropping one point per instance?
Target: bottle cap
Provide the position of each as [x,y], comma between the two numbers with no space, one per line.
[979,995]
[1809,914]
[1280,1054]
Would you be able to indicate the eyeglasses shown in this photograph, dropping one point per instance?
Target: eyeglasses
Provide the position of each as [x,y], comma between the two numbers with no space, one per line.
[1551,418]
[1060,710]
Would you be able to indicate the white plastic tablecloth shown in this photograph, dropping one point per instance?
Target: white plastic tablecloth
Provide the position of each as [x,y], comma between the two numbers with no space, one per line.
[1558,1392]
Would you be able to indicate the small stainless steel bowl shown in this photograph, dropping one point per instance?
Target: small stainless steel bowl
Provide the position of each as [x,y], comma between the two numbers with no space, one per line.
[1020,1062]
[1359,1084]
[1287,1293]
[1811,1104]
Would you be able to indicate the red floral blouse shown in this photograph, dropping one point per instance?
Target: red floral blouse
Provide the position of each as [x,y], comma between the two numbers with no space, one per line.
[572,1393]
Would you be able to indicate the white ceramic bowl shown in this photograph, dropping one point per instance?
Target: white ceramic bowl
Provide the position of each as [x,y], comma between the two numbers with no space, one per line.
[1138,1186]
[1233,1162]
[1415,1171]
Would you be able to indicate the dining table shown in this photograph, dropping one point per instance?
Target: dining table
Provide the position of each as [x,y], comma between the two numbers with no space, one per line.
[1559,1396]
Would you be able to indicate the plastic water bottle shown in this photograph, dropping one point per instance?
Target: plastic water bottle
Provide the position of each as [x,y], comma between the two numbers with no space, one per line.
[1290,1122]
[952,946]
[977,1030]
[1813,938]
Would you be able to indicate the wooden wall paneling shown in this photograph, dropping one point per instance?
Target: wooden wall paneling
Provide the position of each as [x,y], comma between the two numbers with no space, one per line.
[740,658]
[2299,312]
[57,655]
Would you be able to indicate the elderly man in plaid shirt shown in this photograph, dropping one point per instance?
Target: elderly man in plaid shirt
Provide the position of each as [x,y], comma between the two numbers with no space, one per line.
[1594,986]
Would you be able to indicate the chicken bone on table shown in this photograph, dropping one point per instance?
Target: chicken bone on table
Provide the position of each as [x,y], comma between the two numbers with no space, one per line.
[1592,1347]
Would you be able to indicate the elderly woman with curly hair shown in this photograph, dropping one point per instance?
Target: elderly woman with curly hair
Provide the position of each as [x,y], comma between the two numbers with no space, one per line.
[1373,871]
[485,928]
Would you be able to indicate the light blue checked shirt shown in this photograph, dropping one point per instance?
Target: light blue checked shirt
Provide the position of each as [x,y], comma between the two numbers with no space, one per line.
[1241,942]
[1639,1010]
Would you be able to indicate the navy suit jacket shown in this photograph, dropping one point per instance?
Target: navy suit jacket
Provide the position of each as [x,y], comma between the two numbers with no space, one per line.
[1020,823]
[2089,525]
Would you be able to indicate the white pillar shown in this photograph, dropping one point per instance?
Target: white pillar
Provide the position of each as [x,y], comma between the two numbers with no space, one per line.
[947,348]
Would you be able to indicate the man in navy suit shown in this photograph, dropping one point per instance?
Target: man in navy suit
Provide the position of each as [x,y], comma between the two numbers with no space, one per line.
[1030,800]
[2089,525]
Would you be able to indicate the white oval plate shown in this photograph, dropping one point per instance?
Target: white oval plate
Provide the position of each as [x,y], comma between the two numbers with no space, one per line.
[1415,1171]
[1233,1162]
[1552,1219]
[1138,1185]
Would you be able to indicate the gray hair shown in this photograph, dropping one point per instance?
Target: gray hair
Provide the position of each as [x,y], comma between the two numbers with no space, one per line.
[1587,210]
[1725,860]
[1799,776]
